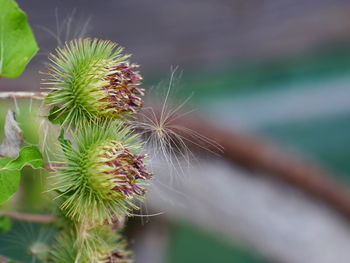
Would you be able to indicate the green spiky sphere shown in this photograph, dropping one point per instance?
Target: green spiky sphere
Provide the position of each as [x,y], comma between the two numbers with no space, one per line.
[101,178]
[98,245]
[92,79]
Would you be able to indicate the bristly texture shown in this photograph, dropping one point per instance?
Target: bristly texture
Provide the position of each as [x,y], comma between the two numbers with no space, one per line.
[103,176]
[92,79]
[99,245]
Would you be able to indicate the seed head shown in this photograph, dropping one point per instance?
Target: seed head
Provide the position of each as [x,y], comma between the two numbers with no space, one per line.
[101,245]
[123,95]
[114,167]
[92,79]
[104,176]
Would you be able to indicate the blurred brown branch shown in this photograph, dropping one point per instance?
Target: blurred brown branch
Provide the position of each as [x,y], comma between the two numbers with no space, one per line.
[35,218]
[256,154]
[21,95]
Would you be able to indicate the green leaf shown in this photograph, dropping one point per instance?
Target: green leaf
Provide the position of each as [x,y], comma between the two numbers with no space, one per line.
[5,224]
[29,155]
[5,161]
[9,183]
[10,170]
[17,42]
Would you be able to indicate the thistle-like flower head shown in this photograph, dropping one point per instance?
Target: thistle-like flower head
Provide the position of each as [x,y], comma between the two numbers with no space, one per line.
[120,167]
[101,245]
[92,79]
[103,175]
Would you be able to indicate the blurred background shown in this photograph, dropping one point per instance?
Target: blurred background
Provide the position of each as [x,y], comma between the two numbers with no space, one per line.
[276,69]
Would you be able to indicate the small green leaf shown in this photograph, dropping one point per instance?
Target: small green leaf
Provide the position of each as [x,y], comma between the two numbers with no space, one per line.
[17,42]
[9,183]
[5,224]
[5,161]
[29,155]
[10,170]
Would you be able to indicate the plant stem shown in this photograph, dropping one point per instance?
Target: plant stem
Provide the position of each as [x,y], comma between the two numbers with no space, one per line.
[22,95]
[34,218]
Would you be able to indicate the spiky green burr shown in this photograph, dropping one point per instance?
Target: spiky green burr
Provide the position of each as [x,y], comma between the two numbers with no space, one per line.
[98,245]
[92,79]
[102,178]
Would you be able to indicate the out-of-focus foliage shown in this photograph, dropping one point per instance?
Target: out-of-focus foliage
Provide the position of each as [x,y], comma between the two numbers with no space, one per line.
[33,182]
[5,224]
[27,242]
[17,42]
[190,245]
[10,170]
